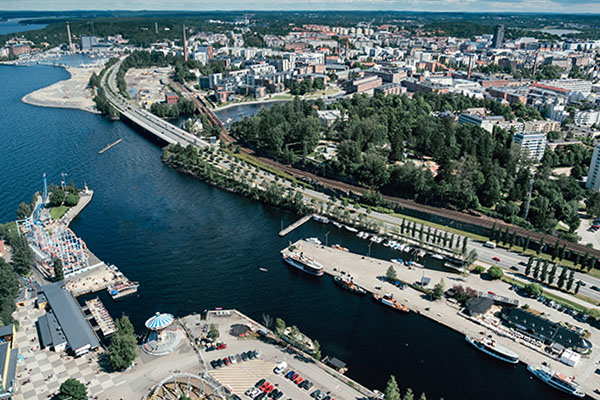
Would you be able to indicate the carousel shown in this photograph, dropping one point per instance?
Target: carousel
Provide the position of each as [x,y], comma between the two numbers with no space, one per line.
[163,334]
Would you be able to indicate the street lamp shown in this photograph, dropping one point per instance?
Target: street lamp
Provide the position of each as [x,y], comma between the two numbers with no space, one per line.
[326,237]
[370,243]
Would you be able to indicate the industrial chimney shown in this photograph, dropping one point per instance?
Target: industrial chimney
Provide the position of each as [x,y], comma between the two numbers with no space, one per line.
[69,36]
[185,56]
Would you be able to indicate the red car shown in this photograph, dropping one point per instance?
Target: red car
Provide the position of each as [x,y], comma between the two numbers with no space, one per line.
[265,385]
[293,378]
[298,380]
[492,293]
[221,346]
[496,259]
[269,389]
[226,361]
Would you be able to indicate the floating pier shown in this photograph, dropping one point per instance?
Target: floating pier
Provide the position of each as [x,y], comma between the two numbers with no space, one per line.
[101,315]
[295,225]
[110,146]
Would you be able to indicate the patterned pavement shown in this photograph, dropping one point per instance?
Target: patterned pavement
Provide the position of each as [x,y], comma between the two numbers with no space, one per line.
[41,372]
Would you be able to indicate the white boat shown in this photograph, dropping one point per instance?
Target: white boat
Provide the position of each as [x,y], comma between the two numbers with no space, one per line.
[336,224]
[437,256]
[350,229]
[305,264]
[321,219]
[557,381]
[313,240]
[490,347]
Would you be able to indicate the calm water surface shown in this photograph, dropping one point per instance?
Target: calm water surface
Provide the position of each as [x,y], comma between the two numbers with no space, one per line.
[193,247]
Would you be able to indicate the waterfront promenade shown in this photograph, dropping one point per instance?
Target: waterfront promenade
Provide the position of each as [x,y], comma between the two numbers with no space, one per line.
[368,272]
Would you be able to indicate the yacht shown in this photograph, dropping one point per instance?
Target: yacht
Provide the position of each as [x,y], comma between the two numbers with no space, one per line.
[489,346]
[557,381]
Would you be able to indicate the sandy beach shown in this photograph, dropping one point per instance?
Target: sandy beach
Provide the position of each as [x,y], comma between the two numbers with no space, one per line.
[71,93]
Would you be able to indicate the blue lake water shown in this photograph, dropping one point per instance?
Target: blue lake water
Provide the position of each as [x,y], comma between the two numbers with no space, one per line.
[193,247]
[12,25]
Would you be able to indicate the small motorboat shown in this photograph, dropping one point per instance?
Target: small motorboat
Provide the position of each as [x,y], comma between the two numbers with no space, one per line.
[262,269]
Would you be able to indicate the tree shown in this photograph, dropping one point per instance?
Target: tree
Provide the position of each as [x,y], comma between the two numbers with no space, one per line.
[71,199]
[577,285]
[536,269]
[571,280]
[23,211]
[423,397]
[72,389]
[544,274]
[529,264]
[279,326]
[213,332]
[495,272]
[390,274]
[123,345]
[438,290]
[562,277]
[471,258]
[464,245]
[409,395]
[526,246]
[533,289]
[317,350]
[58,270]
[552,274]
[540,247]
[391,392]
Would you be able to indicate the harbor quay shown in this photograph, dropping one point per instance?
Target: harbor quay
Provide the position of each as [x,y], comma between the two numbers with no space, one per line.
[369,273]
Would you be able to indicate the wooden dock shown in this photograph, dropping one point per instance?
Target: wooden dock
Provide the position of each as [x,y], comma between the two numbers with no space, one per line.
[102,317]
[295,225]
[110,146]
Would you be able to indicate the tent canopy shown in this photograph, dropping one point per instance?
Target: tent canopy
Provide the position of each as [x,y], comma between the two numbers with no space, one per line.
[159,321]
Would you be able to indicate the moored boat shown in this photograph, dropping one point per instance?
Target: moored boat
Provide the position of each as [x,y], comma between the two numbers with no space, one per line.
[297,260]
[557,381]
[321,219]
[350,229]
[389,301]
[491,347]
[123,288]
[313,240]
[437,256]
[349,285]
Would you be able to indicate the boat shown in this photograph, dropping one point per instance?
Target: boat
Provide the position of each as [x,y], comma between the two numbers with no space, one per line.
[349,285]
[491,347]
[313,240]
[338,247]
[123,288]
[263,269]
[297,260]
[388,300]
[437,256]
[350,229]
[557,381]
[321,219]
[336,224]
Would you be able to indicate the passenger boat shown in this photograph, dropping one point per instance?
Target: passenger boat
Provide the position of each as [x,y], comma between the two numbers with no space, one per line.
[489,346]
[321,219]
[123,288]
[389,301]
[313,240]
[297,260]
[557,381]
[349,285]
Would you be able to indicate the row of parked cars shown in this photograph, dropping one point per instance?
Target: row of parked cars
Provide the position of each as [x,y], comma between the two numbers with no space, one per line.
[234,359]
[263,390]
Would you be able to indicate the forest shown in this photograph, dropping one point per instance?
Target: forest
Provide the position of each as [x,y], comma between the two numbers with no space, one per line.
[381,140]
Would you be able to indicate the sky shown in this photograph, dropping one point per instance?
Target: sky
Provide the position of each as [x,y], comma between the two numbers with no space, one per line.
[545,6]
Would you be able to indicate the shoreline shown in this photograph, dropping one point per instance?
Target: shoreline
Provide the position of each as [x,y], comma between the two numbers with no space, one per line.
[69,93]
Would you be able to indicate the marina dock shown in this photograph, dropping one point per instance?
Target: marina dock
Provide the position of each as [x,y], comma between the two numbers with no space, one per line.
[101,316]
[369,273]
[295,225]
[110,146]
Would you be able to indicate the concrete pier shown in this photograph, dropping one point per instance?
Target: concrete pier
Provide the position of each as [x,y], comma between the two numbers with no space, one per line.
[368,272]
[84,199]
[295,225]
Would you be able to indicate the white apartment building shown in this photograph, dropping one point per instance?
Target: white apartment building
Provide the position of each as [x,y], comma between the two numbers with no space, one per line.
[587,118]
[593,178]
[533,142]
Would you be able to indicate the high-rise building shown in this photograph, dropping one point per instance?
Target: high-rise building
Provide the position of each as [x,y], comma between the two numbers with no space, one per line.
[498,39]
[593,178]
[533,142]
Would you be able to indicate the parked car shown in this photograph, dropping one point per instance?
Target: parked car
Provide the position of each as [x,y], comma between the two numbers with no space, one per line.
[256,353]
[221,362]
[260,382]
[261,396]
[278,395]
[238,358]
[250,354]
[307,385]
[315,394]
[214,364]
[221,346]
[244,357]
[280,367]
[290,374]
[273,393]
[232,359]
[226,361]
[235,397]
[298,380]
[264,385]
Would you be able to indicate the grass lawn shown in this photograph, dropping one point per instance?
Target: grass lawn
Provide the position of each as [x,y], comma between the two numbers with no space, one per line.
[58,212]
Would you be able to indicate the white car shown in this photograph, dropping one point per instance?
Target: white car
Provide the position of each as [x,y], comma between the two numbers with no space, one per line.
[280,367]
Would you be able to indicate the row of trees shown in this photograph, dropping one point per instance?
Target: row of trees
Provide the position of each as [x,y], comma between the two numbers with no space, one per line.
[307,85]
[392,392]
[183,108]
[68,196]
[541,271]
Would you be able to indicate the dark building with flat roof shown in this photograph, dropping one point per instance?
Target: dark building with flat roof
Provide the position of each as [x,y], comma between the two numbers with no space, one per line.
[544,329]
[8,362]
[64,326]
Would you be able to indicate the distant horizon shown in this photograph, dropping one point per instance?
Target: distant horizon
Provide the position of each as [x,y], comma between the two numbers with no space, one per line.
[582,7]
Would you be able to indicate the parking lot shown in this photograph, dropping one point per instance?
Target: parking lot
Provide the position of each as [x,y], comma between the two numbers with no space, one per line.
[242,375]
